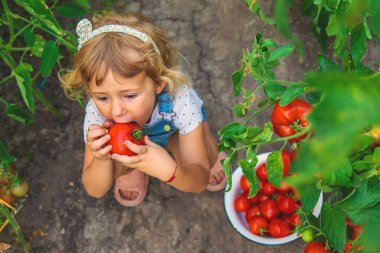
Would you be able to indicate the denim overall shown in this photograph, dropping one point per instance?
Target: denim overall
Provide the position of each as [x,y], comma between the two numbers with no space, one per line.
[161,131]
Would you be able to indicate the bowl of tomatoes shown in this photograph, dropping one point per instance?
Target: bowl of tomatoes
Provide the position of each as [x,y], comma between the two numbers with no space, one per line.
[269,217]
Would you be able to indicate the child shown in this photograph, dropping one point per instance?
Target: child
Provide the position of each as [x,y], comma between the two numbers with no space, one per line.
[130,71]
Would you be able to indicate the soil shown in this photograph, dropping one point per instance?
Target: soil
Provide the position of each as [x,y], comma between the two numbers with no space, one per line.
[58,215]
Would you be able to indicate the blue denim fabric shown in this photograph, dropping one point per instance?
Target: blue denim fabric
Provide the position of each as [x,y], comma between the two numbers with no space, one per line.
[157,132]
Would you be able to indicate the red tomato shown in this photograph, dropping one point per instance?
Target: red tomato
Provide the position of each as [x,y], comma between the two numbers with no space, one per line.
[287,205]
[6,195]
[269,209]
[120,132]
[295,219]
[241,203]
[263,197]
[244,184]
[261,172]
[268,188]
[255,199]
[356,231]
[349,222]
[290,119]
[278,228]
[288,220]
[253,211]
[258,225]
[315,247]
[284,187]
[286,162]
[347,247]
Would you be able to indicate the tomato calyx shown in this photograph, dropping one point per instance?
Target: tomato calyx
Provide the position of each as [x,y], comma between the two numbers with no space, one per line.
[137,134]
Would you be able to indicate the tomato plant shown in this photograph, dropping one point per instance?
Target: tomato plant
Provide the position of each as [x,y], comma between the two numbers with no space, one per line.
[327,119]
[120,132]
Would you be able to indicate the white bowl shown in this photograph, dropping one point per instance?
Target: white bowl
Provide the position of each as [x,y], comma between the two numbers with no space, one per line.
[238,220]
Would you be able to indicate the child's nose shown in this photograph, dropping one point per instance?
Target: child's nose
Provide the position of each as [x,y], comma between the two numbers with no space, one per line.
[118,109]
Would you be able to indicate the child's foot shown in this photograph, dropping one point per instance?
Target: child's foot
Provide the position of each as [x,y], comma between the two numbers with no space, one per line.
[131,188]
[218,178]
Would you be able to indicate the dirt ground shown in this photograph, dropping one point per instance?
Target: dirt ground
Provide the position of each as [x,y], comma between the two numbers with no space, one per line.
[58,215]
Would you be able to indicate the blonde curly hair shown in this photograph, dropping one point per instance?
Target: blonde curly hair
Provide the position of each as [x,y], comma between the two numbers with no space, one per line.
[125,56]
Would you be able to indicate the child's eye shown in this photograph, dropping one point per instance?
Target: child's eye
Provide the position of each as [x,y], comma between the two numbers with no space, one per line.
[130,96]
[102,99]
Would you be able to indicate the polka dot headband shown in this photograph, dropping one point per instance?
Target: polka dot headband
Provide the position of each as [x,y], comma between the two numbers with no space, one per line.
[85,33]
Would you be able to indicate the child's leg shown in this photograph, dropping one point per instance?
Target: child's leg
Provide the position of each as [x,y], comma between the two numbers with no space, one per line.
[131,185]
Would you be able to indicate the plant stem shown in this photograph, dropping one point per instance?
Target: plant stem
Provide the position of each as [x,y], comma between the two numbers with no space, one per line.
[6,79]
[284,82]
[10,20]
[257,112]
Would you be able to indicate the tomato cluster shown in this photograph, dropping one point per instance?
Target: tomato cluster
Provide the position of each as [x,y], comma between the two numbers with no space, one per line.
[272,211]
[11,185]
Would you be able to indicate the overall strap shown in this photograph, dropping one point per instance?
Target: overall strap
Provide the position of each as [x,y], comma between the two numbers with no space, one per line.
[165,106]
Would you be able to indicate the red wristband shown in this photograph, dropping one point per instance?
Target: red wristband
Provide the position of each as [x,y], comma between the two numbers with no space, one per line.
[173,175]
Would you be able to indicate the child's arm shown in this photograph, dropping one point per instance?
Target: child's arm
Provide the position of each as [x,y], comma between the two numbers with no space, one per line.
[191,158]
[97,175]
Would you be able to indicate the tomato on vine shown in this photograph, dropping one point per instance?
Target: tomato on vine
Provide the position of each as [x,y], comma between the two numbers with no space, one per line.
[291,119]
[19,187]
[315,247]
[307,235]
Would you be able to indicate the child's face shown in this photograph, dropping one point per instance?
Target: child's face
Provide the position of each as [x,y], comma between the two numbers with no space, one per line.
[124,100]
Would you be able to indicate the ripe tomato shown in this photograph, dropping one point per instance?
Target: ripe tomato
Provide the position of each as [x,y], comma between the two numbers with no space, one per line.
[258,225]
[244,184]
[288,220]
[261,172]
[286,162]
[263,197]
[19,187]
[290,119]
[287,205]
[269,209]
[315,247]
[295,218]
[278,228]
[120,132]
[253,211]
[255,199]
[241,203]
[6,195]
[268,188]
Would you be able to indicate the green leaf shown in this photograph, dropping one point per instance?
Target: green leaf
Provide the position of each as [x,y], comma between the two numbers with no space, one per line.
[83,3]
[38,46]
[265,134]
[308,192]
[327,65]
[370,219]
[274,168]
[70,10]
[358,44]
[24,82]
[15,112]
[29,37]
[248,168]
[333,225]
[5,158]
[40,11]
[227,170]
[367,194]
[250,154]
[374,10]
[232,129]
[281,17]
[49,58]
[313,97]
[281,52]
[332,5]
[290,94]
[237,79]
[274,91]
[341,176]
[240,110]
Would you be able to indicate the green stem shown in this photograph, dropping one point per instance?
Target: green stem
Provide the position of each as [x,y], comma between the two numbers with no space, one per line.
[284,82]
[15,49]
[10,20]
[257,112]
[6,79]
[306,130]
[47,104]
[18,33]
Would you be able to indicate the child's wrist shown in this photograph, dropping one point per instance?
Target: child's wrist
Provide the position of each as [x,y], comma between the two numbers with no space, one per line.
[173,175]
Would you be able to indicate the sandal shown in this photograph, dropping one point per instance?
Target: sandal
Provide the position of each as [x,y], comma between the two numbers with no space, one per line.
[215,169]
[133,181]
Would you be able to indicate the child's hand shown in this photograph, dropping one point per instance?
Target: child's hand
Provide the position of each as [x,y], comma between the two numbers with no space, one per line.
[97,138]
[151,159]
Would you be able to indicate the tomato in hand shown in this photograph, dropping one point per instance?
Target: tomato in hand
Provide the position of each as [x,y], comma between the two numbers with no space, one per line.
[287,205]
[120,132]
[258,225]
[19,187]
[244,184]
[261,172]
[291,119]
[315,247]
[269,209]
[241,203]
[278,228]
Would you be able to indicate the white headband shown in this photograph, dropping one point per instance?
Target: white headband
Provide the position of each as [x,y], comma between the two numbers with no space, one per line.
[85,33]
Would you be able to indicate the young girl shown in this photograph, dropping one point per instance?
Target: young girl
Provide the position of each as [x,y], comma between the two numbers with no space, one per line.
[131,72]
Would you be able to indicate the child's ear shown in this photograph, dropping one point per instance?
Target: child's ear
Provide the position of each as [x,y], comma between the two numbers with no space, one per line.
[160,86]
